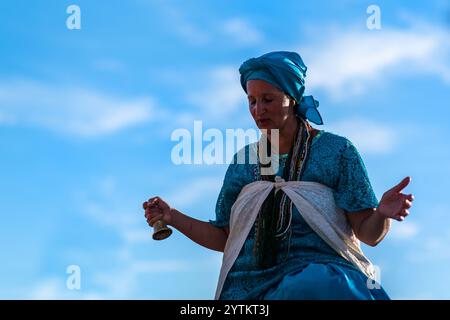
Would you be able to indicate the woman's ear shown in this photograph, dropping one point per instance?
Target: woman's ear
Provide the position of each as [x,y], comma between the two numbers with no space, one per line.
[288,101]
[292,104]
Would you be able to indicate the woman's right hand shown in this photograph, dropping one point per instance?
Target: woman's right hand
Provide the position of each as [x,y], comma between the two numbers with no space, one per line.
[157,209]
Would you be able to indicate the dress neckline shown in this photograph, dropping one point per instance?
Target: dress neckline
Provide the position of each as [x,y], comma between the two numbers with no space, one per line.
[316,137]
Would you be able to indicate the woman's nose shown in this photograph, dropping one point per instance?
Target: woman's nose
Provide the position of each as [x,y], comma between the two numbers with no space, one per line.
[259,109]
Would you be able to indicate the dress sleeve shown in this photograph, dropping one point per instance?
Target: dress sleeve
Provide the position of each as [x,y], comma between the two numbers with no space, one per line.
[229,192]
[354,191]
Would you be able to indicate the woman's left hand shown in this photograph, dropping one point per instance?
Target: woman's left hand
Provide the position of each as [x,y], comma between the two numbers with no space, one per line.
[395,204]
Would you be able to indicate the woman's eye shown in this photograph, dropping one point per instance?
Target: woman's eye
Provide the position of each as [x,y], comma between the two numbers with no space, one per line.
[253,102]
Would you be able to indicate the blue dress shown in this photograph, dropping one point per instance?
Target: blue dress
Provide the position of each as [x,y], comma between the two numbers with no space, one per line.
[309,268]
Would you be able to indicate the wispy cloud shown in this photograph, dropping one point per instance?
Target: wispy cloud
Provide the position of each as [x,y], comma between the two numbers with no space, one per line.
[108,65]
[184,27]
[178,22]
[54,288]
[123,280]
[431,248]
[109,216]
[119,281]
[242,32]
[198,189]
[100,206]
[98,203]
[404,231]
[75,111]
[369,137]
[205,31]
[135,235]
[347,61]
[222,94]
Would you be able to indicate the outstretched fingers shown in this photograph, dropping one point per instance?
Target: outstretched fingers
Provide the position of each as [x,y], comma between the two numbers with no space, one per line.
[407,204]
[401,185]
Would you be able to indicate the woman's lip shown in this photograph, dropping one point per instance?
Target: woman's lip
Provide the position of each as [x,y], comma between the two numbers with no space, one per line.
[263,120]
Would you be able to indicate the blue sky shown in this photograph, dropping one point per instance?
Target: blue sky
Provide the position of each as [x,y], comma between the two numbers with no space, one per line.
[86,118]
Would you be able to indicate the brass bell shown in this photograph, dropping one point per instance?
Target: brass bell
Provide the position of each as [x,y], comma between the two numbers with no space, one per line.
[161,231]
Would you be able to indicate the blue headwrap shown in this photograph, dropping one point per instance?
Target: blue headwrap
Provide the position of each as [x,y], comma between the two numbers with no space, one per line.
[286,71]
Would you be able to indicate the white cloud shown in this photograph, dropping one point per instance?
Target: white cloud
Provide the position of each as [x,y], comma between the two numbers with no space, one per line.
[222,95]
[122,282]
[204,32]
[367,136]
[102,208]
[106,185]
[130,226]
[121,278]
[189,31]
[242,32]
[48,289]
[194,191]
[137,235]
[179,23]
[431,248]
[55,289]
[76,111]
[347,61]
[108,216]
[405,230]
[108,65]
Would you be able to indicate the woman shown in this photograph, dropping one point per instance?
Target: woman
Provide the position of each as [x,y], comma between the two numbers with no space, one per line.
[290,228]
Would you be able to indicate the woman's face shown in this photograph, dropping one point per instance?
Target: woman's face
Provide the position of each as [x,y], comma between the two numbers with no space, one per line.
[270,107]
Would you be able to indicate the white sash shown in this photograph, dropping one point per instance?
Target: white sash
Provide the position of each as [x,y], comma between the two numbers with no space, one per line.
[314,201]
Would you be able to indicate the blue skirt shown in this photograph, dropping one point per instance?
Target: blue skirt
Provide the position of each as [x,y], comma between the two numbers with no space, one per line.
[326,282]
